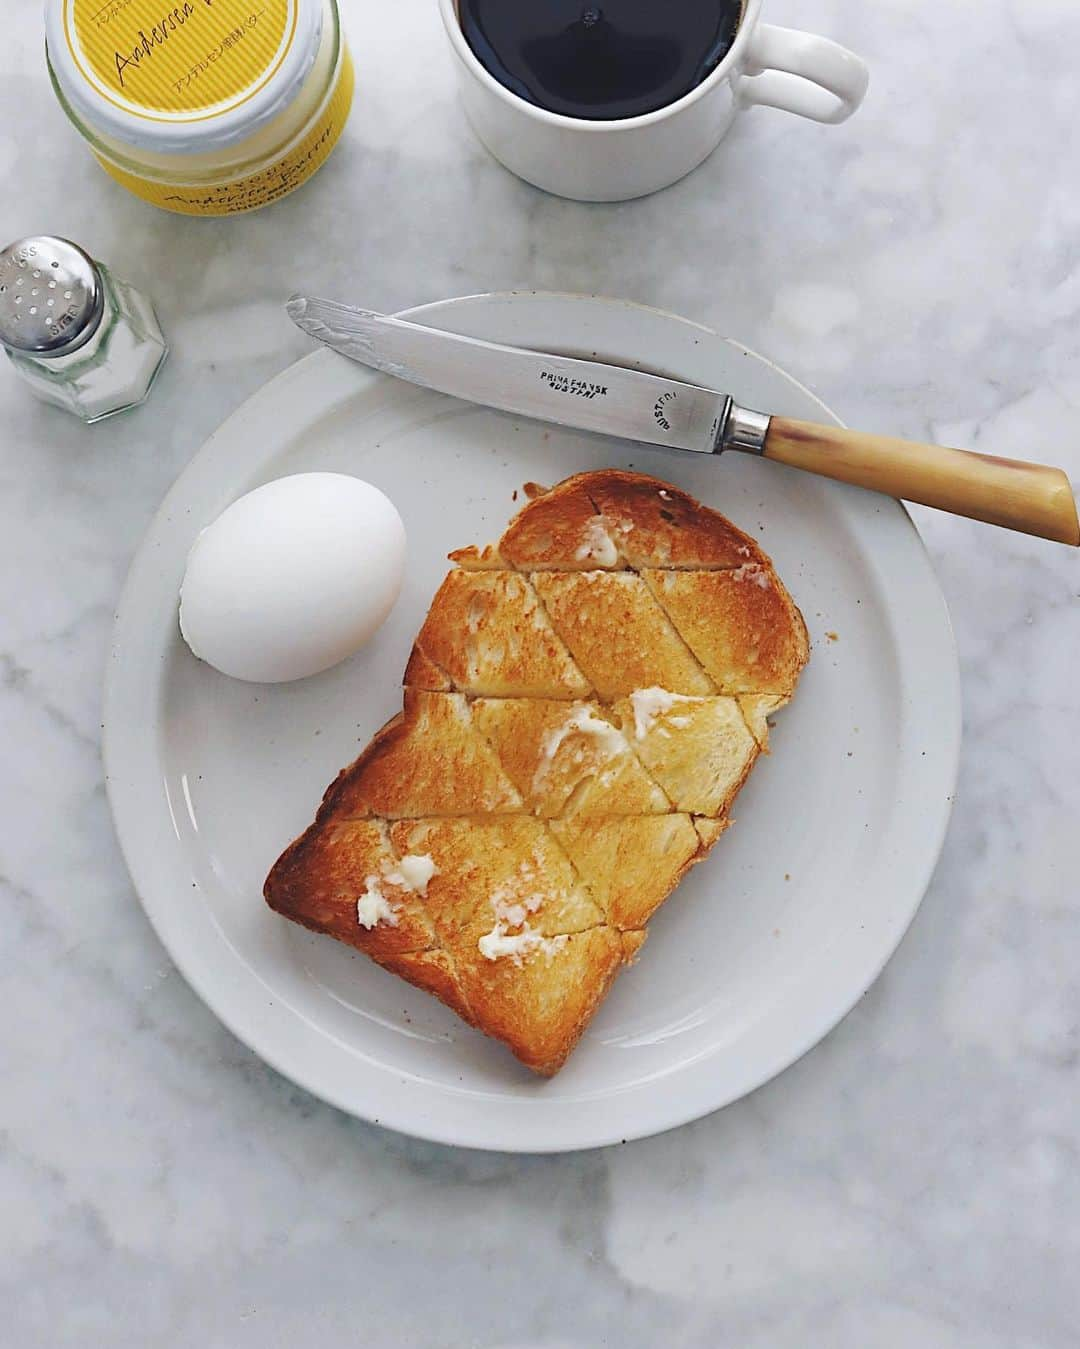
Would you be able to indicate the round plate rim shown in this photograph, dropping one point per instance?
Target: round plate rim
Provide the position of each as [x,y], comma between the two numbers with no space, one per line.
[403,1119]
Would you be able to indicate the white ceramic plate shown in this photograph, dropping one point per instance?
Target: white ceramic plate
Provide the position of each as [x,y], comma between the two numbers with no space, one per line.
[757,956]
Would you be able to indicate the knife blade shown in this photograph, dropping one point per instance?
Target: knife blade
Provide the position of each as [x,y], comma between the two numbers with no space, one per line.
[586,395]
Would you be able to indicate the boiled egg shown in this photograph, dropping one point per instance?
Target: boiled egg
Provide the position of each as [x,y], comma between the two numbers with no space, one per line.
[293,577]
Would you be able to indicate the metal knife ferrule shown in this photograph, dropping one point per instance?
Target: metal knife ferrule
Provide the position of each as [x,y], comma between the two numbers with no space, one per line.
[742,429]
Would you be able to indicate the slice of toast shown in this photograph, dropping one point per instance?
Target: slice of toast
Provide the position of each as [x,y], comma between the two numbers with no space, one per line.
[584,702]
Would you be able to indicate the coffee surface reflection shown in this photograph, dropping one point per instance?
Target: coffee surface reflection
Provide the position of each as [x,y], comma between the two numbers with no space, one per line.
[621,58]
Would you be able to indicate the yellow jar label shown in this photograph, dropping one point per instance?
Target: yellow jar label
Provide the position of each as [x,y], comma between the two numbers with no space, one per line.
[185,61]
[294,167]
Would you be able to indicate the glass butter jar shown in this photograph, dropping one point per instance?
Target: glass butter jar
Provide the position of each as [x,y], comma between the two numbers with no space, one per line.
[203,107]
[81,338]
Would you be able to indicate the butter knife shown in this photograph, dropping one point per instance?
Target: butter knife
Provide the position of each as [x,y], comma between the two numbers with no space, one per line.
[634,405]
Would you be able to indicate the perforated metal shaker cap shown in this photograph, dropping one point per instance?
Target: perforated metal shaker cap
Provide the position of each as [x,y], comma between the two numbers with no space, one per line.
[51,296]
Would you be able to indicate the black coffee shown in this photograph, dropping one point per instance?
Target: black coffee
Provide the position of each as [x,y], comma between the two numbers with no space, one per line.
[620,58]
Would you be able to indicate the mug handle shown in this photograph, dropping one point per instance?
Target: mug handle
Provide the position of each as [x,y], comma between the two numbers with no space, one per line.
[803,73]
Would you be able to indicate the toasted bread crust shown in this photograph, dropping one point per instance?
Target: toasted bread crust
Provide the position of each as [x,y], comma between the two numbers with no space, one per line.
[741,624]
[560,531]
[583,703]
[657,525]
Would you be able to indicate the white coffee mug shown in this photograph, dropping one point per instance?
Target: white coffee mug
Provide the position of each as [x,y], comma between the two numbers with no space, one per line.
[633,156]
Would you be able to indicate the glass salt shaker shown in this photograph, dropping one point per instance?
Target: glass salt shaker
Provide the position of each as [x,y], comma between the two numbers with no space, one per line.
[79,336]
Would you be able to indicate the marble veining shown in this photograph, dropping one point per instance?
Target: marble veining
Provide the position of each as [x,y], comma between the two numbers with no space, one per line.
[915,1181]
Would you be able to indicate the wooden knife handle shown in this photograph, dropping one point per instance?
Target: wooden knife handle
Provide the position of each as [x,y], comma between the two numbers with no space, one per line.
[1030,498]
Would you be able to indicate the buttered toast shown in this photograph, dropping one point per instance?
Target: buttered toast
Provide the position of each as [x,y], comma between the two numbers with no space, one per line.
[583,703]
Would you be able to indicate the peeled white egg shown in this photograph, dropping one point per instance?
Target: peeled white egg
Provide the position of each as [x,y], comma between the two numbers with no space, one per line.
[293,577]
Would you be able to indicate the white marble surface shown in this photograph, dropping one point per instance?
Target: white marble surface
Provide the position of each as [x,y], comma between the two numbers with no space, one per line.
[915,1181]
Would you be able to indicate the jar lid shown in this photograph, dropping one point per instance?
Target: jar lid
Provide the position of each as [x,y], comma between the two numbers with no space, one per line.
[51,296]
[181,76]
